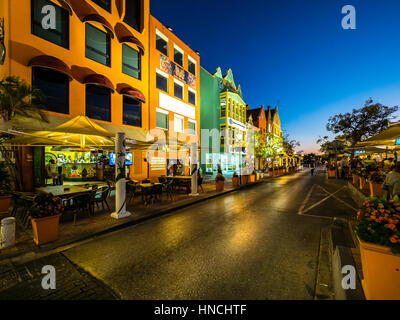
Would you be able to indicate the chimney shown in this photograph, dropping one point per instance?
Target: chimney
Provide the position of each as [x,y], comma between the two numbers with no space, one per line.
[247,107]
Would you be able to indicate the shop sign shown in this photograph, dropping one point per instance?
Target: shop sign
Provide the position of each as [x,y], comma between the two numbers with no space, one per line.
[158,163]
[236,124]
[397,142]
[173,69]
[2,45]
[359,152]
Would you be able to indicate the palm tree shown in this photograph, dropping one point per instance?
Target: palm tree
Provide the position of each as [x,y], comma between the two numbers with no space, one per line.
[17,100]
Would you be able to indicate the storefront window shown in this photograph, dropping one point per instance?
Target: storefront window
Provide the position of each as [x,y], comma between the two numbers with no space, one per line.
[98,102]
[98,45]
[54,87]
[105,4]
[133,14]
[59,35]
[132,112]
[131,60]
[162,120]
[162,82]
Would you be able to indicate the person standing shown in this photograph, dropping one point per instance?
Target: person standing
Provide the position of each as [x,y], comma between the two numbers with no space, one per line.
[52,171]
[312,167]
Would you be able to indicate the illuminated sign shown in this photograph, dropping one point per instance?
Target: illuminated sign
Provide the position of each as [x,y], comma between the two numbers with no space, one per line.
[397,142]
[359,152]
[236,124]
[170,67]
[158,163]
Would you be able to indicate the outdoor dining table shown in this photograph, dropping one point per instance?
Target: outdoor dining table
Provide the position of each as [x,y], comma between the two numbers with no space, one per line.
[64,191]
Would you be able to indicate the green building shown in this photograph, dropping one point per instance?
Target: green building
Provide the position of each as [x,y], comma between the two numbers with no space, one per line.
[223,123]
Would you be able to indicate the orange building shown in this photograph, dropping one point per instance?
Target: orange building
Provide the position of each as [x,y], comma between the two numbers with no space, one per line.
[174,100]
[88,57]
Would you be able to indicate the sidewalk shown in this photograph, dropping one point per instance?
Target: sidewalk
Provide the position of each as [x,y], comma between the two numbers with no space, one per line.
[101,223]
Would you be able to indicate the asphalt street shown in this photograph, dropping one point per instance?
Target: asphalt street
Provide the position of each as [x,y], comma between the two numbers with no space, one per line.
[257,243]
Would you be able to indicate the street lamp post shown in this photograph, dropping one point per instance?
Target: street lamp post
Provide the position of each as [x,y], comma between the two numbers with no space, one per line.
[120,178]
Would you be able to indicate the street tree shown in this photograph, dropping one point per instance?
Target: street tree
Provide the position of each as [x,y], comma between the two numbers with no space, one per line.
[289,145]
[361,123]
[331,148]
[17,100]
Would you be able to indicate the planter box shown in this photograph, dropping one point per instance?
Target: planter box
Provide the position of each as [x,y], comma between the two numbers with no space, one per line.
[45,230]
[219,185]
[271,173]
[5,204]
[252,178]
[332,173]
[381,272]
[355,179]
[235,181]
[245,179]
[376,189]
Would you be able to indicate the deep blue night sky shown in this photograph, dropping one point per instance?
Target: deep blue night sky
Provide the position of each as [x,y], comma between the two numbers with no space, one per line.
[296,52]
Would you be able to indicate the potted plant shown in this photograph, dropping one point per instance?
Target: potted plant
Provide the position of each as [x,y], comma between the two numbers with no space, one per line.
[253,176]
[219,182]
[375,184]
[331,171]
[5,189]
[45,215]
[235,180]
[379,237]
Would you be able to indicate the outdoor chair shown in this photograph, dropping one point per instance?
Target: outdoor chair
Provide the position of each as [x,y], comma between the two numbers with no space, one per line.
[21,204]
[157,191]
[147,195]
[131,191]
[100,197]
[162,179]
[168,189]
[146,181]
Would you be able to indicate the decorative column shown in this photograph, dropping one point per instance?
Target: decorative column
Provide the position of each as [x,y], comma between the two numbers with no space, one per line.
[120,178]
[194,168]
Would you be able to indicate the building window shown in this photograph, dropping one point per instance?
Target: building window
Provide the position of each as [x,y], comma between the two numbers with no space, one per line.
[131,62]
[178,90]
[97,45]
[162,120]
[59,35]
[178,56]
[132,112]
[98,102]
[192,97]
[192,66]
[162,82]
[223,107]
[161,43]
[192,128]
[54,87]
[133,14]
[105,4]
[179,124]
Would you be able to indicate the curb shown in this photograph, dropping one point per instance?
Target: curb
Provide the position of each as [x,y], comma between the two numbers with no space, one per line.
[29,256]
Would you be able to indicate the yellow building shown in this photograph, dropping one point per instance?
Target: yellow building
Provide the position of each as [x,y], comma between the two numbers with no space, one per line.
[88,57]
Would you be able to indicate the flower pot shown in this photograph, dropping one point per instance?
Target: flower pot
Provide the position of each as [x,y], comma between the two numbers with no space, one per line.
[245,179]
[376,189]
[381,272]
[235,181]
[45,230]
[5,204]
[219,185]
[252,178]
[355,179]
[271,173]
[363,184]
[332,173]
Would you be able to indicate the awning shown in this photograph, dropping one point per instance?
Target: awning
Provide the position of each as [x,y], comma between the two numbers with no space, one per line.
[66,4]
[134,93]
[386,137]
[99,80]
[125,36]
[86,13]
[98,18]
[52,63]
